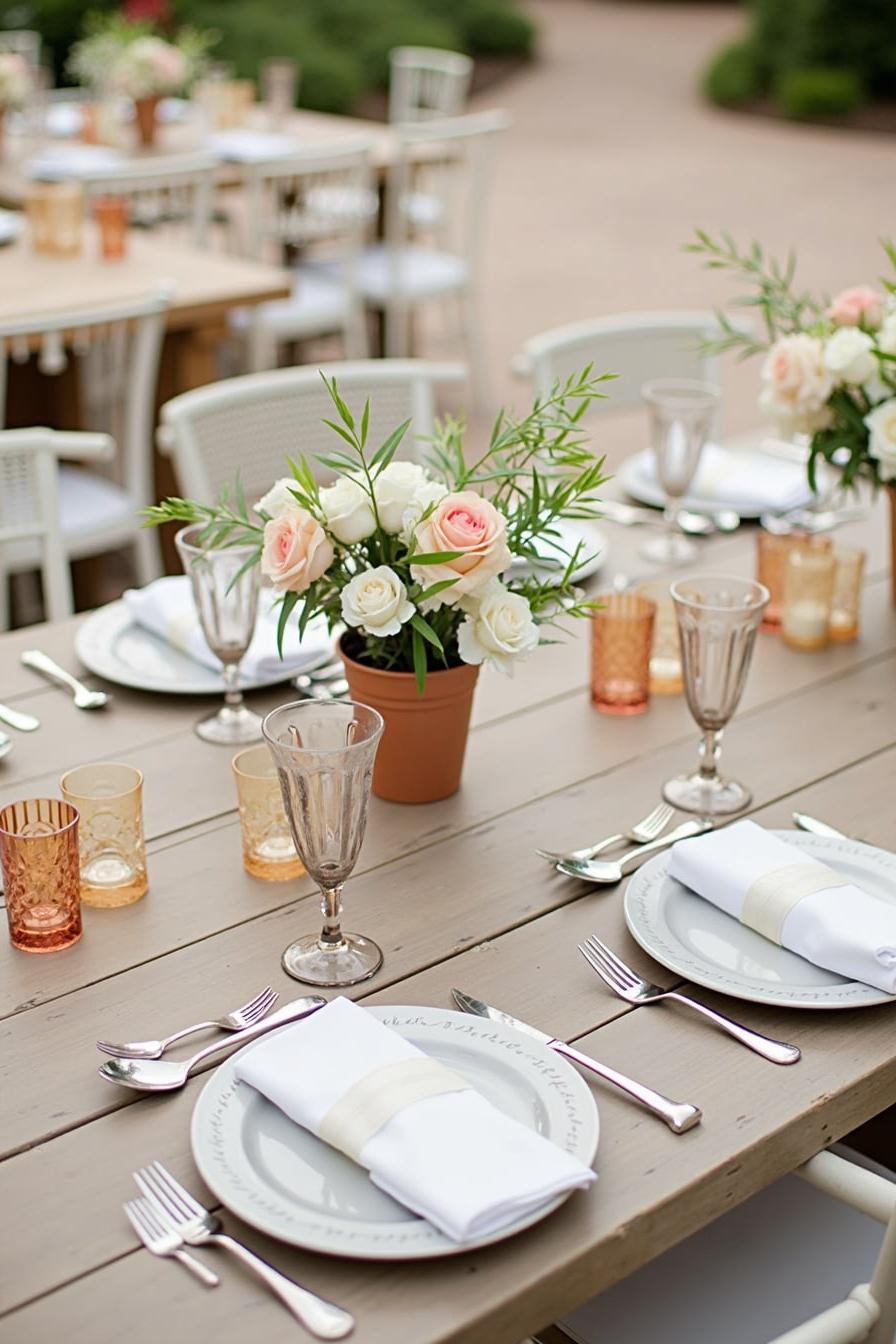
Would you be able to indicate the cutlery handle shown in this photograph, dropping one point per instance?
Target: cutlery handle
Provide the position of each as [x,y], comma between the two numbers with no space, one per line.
[678,1115]
[593,850]
[320,1318]
[779,1052]
[290,1012]
[40,662]
[185,1031]
[204,1275]
[815,827]
[25,723]
[695,827]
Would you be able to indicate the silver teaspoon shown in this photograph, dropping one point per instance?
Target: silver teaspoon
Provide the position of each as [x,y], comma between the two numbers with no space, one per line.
[26,723]
[162,1075]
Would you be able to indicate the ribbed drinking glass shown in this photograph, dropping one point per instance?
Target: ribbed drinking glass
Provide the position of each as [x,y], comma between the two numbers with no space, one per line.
[39,857]
[225,589]
[109,798]
[681,415]
[324,751]
[718,617]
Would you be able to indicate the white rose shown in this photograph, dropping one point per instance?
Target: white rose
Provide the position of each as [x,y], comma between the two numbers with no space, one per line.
[348,511]
[278,498]
[394,489]
[499,630]
[848,357]
[427,494]
[796,384]
[886,337]
[881,423]
[377,601]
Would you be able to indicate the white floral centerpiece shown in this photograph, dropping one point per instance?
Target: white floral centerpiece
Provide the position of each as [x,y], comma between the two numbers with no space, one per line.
[830,365]
[130,59]
[15,80]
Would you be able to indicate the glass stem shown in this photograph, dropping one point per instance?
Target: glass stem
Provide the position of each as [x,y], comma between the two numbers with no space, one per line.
[710,747]
[331,909]
[670,516]
[233,696]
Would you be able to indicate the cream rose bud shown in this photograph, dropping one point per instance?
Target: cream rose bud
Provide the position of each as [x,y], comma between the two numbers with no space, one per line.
[296,550]
[881,424]
[796,384]
[348,510]
[377,601]
[278,498]
[425,497]
[499,631]
[394,489]
[848,357]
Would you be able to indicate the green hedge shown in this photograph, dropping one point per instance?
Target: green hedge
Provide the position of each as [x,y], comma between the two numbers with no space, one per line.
[813,58]
[342,46]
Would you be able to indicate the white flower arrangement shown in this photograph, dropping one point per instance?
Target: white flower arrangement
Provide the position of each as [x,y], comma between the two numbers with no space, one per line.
[131,60]
[417,562]
[15,80]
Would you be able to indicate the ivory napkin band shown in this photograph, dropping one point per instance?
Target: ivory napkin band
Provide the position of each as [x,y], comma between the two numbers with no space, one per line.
[371,1103]
[770,899]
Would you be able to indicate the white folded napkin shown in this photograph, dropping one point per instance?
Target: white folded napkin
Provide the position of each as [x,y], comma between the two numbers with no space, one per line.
[791,898]
[449,1156]
[755,481]
[72,161]
[248,146]
[166,607]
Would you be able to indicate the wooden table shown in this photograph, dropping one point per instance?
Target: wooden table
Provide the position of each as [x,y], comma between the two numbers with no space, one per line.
[455,895]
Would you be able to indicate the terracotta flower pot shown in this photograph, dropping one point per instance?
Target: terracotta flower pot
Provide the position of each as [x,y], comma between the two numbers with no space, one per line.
[145,113]
[421,754]
[891,492]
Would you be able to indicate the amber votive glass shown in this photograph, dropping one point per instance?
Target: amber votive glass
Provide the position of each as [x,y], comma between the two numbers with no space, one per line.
[773,550]
[808,598]
[268,849]
[39,855]
[621,643]
[665,654]
[849,566]
[109,797]
[55,214]
[111,213]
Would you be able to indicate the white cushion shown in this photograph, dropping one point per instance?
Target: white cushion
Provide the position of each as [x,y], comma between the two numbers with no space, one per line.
[319,305]
[422,273]
[91,508]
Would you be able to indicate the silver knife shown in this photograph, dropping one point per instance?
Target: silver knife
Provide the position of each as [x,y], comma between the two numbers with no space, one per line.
[678,1115]
[816,827]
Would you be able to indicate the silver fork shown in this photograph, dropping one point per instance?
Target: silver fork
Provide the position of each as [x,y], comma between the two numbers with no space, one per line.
[247,1016]
[648,828]
[198,1226]
[159,1238]
[622,980]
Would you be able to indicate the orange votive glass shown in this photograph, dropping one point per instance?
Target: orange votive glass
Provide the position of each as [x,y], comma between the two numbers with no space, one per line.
[665,654]
[621,643]
[268,849]
[849,565]
[773,550]
[55,214]
[39,854]
[111,213]
[109,798]
[808,599]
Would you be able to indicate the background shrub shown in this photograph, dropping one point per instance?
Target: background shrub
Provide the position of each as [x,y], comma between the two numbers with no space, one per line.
[734,76]
[818,92]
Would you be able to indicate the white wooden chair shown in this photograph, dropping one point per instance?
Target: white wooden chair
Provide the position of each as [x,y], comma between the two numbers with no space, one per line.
[23,42]
[248,426]
[451,162]
[320,202]
[30,528]
[118,346]
[426,82]
[172,196]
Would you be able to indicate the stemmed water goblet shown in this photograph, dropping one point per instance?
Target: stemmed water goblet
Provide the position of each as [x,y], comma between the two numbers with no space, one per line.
[718,618]
[225,586]
[324,752]
[681,414]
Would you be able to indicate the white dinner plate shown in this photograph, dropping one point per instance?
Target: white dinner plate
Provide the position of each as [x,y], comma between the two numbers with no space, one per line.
[697,940]
[638,480]
[595,549]
[112,644]
[283,1180]
[12,223]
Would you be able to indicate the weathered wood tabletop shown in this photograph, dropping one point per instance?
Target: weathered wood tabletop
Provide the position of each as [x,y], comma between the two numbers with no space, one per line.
[455,895]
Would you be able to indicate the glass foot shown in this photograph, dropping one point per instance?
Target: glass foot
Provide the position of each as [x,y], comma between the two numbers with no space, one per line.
[707,796]
[356,958]
[669,548]
[231,725]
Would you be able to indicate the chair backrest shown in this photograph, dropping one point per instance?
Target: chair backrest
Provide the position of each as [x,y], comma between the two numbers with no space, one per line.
[29,505]
[248,426]
[449,162]
[24,42]
[173,196]
[426,82]
[322,198]
[635,346]
[118,346]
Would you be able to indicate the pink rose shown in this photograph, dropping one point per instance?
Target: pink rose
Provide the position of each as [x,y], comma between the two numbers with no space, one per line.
[467,523]
[861,304]
[796,384]
[296,550]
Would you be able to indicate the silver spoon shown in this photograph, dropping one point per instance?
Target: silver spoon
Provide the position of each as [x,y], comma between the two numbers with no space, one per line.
[597,870]
[84,697]
[162,1075]
[26,723]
